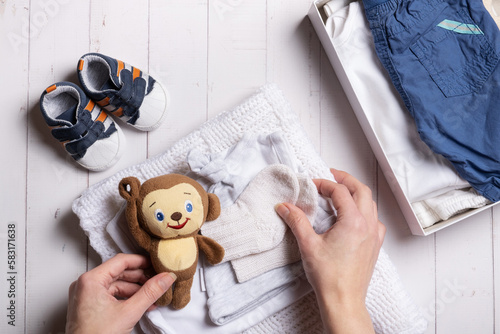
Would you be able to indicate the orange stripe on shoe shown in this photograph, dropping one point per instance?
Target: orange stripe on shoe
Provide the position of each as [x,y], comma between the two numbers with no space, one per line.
[90,106]
[118,112]
[104,102]
[51,88]
[80,65]
[136,73]
[120,68]
[102,117]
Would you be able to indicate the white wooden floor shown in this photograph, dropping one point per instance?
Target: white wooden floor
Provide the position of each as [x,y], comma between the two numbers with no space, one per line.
[210,54]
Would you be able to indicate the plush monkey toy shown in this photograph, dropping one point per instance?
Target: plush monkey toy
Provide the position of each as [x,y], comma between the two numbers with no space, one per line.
[164,215]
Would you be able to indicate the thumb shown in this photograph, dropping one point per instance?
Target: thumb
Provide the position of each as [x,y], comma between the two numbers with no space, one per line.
[149,293]
[297,220]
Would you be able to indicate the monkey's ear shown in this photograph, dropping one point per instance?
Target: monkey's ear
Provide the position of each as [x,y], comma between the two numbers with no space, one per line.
[129,187]
[213,207]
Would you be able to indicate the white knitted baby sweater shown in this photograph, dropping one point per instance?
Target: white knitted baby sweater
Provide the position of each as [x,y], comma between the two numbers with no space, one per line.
[390,306]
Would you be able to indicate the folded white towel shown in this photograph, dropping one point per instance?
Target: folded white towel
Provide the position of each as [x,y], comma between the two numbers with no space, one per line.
[389,304]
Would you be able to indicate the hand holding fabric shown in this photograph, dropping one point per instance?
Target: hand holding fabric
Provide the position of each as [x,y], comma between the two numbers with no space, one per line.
[340,262]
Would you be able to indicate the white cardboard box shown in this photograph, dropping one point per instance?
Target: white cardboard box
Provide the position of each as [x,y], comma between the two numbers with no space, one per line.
[317,17]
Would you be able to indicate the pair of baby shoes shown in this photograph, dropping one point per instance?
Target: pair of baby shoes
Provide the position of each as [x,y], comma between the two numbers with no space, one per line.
[79,117]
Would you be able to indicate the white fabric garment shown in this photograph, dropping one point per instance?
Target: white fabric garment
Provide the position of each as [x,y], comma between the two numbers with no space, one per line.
[251,266]
[433,210]
[227,173]
[266,112]
[421,173]
[251,225]
[228,300]
[287,251]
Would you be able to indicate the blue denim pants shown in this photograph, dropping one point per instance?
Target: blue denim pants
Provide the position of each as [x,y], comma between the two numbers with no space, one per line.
[442,56]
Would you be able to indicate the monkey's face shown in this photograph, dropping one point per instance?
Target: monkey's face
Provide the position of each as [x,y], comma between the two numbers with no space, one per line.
[173,212]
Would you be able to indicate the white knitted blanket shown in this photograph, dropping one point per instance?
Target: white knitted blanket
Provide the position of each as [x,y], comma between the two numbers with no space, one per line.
[390,306]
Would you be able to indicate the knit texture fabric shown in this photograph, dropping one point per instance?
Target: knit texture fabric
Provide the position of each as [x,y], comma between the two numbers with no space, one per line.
[251,225]
[300,317]
[251,266]
[445,206]
[303,315]
[287,251]
[390,306]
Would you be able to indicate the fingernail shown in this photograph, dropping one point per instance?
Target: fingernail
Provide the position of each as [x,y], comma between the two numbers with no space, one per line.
[165,281]
[282,210]
[174,276]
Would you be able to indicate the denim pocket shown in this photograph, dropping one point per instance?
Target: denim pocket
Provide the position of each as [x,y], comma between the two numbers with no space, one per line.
[456,54]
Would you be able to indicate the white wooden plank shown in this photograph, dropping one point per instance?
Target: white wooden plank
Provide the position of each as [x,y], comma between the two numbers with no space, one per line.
[236,52]
[56,247]
[178,59]
[464,276]
[14,66]
[120,29]
[293,61]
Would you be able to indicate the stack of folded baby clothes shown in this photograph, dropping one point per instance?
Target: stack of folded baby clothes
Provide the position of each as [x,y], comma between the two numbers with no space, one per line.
[252,158]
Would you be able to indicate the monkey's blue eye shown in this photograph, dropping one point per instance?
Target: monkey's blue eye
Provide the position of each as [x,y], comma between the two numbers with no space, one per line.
[159,215]
[189,206]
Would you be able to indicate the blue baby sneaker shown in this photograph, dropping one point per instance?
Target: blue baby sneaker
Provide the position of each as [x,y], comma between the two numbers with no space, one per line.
[85,131]
[123,90]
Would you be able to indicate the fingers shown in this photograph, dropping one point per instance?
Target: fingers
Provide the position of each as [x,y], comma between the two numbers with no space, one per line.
[339,194]
[121,289]
[361,193]
[133,276]
[149,293]
[116,266]
[355,187]
[297,220]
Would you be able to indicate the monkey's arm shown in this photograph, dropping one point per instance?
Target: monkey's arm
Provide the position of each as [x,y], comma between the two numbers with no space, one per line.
[213,251]
[143,239]
[129,189]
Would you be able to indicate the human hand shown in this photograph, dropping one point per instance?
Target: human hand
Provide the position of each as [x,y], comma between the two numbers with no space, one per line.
[339,263]
[110,298]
